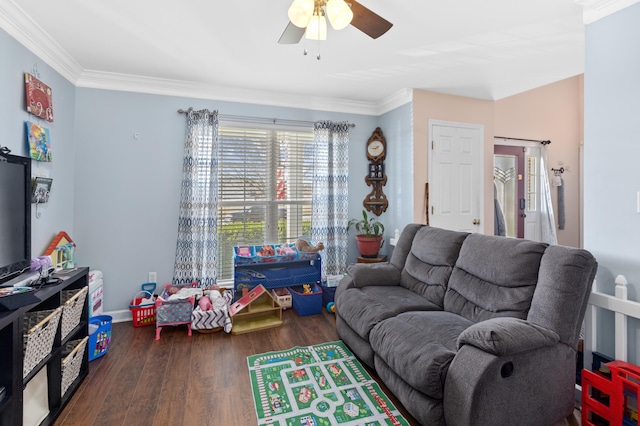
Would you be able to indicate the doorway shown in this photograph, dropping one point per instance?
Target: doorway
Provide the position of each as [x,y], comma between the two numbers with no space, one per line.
[517,180]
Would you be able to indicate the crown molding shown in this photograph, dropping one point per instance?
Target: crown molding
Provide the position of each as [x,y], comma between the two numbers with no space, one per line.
[159,86]
[598,9]
[394,101]
[28,33]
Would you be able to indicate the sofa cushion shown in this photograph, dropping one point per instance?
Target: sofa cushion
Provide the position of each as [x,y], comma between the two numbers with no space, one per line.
[430,262]
[363,308]
[419,346]
[494,277]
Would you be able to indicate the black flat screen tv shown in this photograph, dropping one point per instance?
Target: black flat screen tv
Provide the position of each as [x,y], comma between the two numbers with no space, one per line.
[15,215]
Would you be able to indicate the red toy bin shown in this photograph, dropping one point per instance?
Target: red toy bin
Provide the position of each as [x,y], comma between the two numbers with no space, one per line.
[144,313]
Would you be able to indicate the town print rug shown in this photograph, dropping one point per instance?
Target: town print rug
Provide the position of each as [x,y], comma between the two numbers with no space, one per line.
[319,385]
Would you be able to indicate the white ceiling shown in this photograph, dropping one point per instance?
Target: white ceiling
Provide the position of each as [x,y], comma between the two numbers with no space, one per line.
[483,49]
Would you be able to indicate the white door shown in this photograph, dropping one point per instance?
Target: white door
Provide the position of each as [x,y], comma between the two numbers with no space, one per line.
[455,176]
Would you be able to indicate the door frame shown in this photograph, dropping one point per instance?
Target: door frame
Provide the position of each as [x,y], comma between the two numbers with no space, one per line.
[480,174]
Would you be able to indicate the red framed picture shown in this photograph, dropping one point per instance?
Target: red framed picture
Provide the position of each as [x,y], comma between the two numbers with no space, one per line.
[39,99]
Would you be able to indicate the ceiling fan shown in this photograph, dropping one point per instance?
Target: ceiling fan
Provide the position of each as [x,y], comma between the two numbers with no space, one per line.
[308,17]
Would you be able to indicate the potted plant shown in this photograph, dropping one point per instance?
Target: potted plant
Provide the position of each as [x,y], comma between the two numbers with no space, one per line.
[369,237]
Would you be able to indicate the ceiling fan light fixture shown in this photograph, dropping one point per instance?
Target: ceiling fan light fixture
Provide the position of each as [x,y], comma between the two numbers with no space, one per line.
[317,28]
[300,12]
[339,14]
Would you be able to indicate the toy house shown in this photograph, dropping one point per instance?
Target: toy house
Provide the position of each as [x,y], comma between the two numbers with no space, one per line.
[257,310]
[61,251]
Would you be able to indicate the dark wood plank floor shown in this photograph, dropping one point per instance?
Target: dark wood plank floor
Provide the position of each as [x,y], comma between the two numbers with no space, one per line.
[181,380]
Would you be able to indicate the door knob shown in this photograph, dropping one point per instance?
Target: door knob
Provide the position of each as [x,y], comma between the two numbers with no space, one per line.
[476,221]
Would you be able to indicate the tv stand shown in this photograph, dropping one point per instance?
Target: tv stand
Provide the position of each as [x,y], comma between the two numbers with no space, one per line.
[22,280]
[11,352]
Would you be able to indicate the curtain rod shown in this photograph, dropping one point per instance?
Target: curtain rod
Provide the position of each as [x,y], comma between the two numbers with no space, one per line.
[547,142]
[249,119]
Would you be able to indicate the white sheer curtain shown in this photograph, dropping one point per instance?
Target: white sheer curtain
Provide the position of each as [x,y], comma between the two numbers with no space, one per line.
[547,219]
[196,248]
[330,194]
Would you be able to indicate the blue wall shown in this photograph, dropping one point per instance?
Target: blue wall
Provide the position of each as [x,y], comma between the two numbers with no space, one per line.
[397,126]
[611,153]
[58,214]
[127,191]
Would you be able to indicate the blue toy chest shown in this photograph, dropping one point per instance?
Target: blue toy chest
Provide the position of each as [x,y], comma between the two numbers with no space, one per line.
[306,304]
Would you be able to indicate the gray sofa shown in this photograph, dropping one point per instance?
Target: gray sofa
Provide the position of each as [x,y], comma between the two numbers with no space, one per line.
[470,329]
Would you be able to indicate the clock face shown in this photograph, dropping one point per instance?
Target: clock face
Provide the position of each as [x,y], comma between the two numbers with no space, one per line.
[375,149]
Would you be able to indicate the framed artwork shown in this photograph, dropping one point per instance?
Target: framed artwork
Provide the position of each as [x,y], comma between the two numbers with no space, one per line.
[40,189]
[39,142]
[39,98]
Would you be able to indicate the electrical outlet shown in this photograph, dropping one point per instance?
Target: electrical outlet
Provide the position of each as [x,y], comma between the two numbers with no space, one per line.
[153,277]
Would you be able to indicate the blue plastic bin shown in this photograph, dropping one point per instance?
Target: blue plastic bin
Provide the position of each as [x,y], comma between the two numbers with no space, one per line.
[328,293]
[99,335]
[306,304]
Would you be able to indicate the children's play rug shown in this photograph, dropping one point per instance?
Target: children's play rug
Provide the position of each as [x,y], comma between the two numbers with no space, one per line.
[320,385]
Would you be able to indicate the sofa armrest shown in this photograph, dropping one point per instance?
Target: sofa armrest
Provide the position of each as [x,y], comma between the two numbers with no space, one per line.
[368,274]
[529,388]
[506,336]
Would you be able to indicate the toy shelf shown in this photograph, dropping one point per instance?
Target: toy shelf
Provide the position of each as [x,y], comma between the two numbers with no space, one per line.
[302,270]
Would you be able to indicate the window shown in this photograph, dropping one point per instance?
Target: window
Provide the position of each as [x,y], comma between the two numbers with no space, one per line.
[532,184]
[265,187]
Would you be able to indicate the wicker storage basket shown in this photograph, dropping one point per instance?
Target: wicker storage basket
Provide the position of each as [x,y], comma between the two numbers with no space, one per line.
[73,304]
[41,329]
[72,356]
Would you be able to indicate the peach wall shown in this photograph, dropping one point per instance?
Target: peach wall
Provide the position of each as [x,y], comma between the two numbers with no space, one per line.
[437,106]
[552,112]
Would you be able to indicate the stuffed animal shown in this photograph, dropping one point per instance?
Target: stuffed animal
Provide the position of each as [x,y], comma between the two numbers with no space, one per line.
[303,245]
[286,250]
[212,299]
[266,251]
[205,303]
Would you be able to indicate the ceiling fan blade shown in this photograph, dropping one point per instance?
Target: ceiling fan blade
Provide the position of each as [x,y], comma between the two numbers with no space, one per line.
[291,34]
[367,21]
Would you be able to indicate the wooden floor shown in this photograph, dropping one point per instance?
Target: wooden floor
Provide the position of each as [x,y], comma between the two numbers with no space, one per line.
[180,380]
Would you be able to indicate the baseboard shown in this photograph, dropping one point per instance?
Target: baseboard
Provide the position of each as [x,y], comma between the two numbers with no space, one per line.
[120,316]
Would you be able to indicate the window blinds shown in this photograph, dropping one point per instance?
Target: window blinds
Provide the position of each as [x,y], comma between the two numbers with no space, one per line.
[265,186]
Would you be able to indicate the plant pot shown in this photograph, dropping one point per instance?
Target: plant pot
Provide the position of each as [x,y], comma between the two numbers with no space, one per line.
[369,246]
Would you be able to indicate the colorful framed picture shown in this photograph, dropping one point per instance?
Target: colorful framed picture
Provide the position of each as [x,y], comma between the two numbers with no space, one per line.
[39,98]
[39,142]
[40,189]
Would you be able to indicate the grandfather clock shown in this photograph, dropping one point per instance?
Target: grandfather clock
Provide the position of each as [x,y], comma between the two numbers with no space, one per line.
[376,202]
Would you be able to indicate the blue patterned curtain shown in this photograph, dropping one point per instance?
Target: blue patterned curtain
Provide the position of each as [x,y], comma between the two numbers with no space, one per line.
[196,251]
[330,194]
